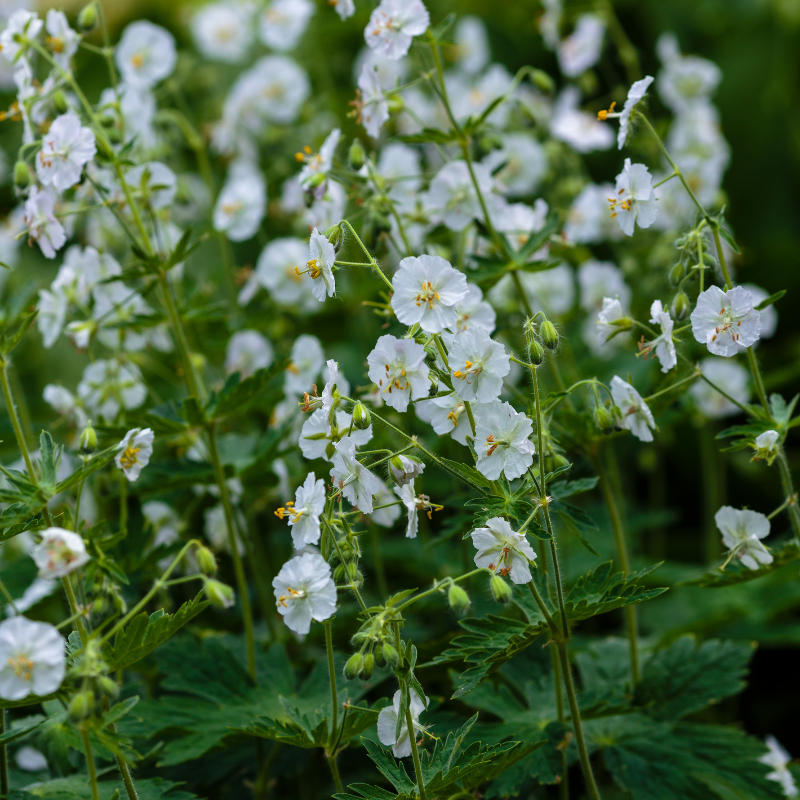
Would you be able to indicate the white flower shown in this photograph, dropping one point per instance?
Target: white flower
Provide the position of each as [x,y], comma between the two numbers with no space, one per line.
[769,316]
[278,271]
[404,469]
[242,203]
[407,497]
[59,553]
[224,31]
[726,321]
[635,95]
[303,513]
[247,352]
[389,514]
[304,590]
[31,658]
[322,256]
[779,759]
[685,81]
[344,8]
[215,525]
[108,385]
[134,452]
[664,346]
[742,531]
[426,291]
[767,446]
[478,365]
[587,221]
[283,22]
[731,377]
[580,130]
[317,435]
[451,196]
[52,315]
[501,441]
[155,183]
[305,363]
[357,483]
[519,165]
[601,279]
[393,25]
[387,723]
[398,367]
[145,54]
[318,163]
[635,200]
[581,50]
[636,416]
[64,402]
[503,550]
[474,312]
[447,415]
[62,41]
[42,225]
[372,105]
[20,23]
[37,591]
[472,45]
[30,759]
[611,319]
[470,96]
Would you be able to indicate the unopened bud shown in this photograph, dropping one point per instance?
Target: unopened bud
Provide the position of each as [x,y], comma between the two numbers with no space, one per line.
[380,659]
[88,440]
[536,352]
[390,654]
[604,420]
[108,686]
[541,80]
[219,594]
[458,599]
[335,235]
[501,591]
[114,135]
[362,419]
[560,460]
[680,305]
[82,705]
[206,561]
[87,19]
[367,666]
[353,667]
[549,335]
[356,154]
[676,274]
[22,175]
[60,102]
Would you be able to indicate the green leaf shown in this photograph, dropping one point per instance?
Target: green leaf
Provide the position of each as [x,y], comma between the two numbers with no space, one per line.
[144,633]
[77,787]
[26,727]
[96,462]
[537,239]
[433,135]
[468,474]
[686,677]
[487,507]
[237,394]
[12,335]
[565,489]
[773,298]
[49,460]
[736,572]
[728,237]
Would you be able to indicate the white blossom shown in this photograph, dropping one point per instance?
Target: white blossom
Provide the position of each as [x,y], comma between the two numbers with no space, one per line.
[318,436]
[30,759]
[636,416]
[579,129]
[344,8]
[501,441]
[387,723]
[767,446]
[278,270]
[581,50]
[451,196]
[62,41]
[322,256]
[304,512]
[247,352]
[42,225]
[134,451]
[320,163]
[635,95]
[372,105]
[611,319]
[242,203]
[663,344]
[283,22]
[398,367]
[471,44]
[357,483]
[519,165]
[305,364]
[731,377]
[779,759]
[59,553]
[145,54]
[635,200]
[52,315]
[478,365]
[32,660]
[474,312]
[503,550]
[447,414]
[393,25]
[20,23]
[304,590]
[588,221]
[407,497]
[726,321]
[742,531]
[223,31]
[426,291]
[64,402]
[404,469]
[684,81]
[108,385]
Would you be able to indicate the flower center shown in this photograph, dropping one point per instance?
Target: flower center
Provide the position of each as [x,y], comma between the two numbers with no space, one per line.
[289,510]
[55,43]
[455,414]
[428,295]
[620,203]
[470,370]
[292,594]
[129,458]
[232,208]
[395,379]
[22,666]
[728,324]
[137,60]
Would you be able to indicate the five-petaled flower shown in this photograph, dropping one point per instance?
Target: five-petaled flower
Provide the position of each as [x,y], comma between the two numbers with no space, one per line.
[304,590]
[726,321]
[742,531]
[32,659]
[304,511]
[134,451]
[503,550]
[398,368]
[59,553]
[501,441]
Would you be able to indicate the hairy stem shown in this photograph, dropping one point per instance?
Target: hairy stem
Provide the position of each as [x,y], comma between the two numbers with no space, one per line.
[412,735]
[87,749]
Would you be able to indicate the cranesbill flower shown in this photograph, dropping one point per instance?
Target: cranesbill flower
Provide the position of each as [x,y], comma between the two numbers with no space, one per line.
[478,365]
[387,723]
[742,531]
[635,95]
[305,363]
[108,385]
[474,312]
[344,8]
[356,482]
[62,41]
[32,658]
[241,203]
[393,25]
[398,367]
[134,452]
[283,22]
[247,352]
[501,441]
[59,553]
[145,54]
[502,550]
[447,414]
[779,759]
[20,23]
[663,344]
[635,200]
[611,319]
[303,513]
[581,50]
[451,196]
[317,435]
[304,590]
[320,266]
[223,31]
[426,291]
[767,446]
[316,164]
[373,109]
[636,416]
[42,225]
[726,321]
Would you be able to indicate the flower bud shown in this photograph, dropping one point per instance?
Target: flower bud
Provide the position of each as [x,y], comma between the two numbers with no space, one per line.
[87,19]
[560,460]
[107,686]
[219,594]
[367,665]
[22,175]
[390,655]
[549,335]
[362,419]
[501,591]
[335,235]
[353,667]
[680,305]
[380,659]
[206,560]
[676,274]
[604,420]
[541,80]
[81,705]
[338,574]
[356,154]
[88,440]
[60,102]
[458,599]
[396,103]
[536,352]
[114,135]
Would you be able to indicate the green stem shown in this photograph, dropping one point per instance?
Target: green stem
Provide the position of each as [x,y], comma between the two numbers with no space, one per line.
[122,765]
[788,489]
[553,625]
[75,610]
[439,586]
[334,734]
[87,749]
[412,735]
[12,415]
[123,503]
[180,335]
[373,263]
[3,757]
[757,379]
